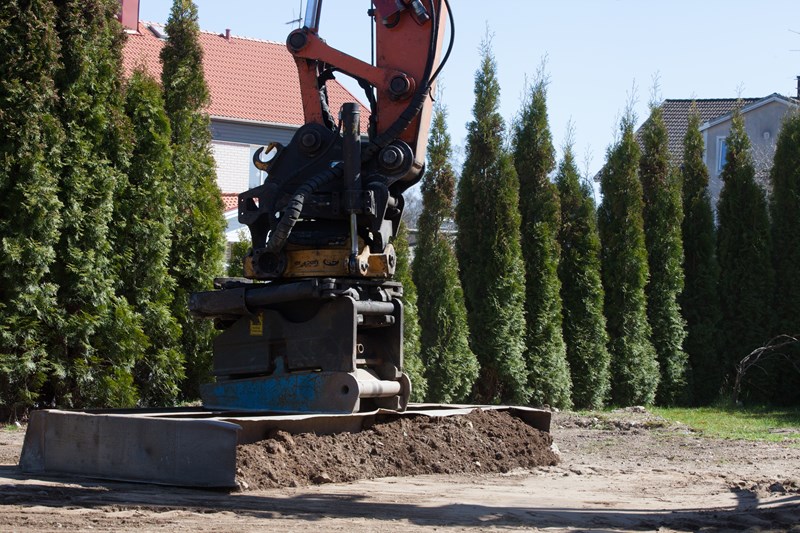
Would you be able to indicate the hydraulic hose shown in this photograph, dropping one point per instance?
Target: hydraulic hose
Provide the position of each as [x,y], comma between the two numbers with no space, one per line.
[279,236]
[418,101]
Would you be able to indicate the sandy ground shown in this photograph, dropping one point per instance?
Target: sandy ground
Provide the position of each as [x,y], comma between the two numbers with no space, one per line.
[629,473]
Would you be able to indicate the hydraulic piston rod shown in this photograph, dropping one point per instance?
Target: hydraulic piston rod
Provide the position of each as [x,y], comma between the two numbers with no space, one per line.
[313,10]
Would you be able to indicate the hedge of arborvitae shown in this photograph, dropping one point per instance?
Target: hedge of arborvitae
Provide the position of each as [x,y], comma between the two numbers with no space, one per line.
[198,231]
[746,275]
[449,364]
[785,208]
[412,364]
[700,298]
[30,210]
[488,247]
[534,160]
[584,324]
[663,214]
[634,367]
[141,234]
[88,185]
[97,340]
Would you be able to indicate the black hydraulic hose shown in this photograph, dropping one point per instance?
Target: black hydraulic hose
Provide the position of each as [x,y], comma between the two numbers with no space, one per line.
[450,44]
[417,103]
[279,236]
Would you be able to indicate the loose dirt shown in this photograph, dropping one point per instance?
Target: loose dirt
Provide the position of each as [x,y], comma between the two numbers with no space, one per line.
[624,471]
[481,442]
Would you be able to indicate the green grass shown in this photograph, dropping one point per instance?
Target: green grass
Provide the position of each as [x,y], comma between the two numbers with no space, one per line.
[751,423]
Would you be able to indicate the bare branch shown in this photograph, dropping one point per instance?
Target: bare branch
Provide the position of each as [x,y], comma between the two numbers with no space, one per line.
[759,355]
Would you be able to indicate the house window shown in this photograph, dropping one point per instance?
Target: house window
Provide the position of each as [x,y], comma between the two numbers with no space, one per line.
[722,151]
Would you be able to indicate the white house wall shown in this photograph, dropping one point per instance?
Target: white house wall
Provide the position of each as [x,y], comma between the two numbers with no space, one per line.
[234,144]
[250,133]
[762,126]
[233,166]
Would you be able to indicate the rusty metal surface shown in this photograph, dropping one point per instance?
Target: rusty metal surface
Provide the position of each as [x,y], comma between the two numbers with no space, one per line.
[192,453]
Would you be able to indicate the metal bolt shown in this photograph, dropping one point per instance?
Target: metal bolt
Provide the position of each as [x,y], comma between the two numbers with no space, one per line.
[399,86]
[391,157]
[310,141]
[297,40]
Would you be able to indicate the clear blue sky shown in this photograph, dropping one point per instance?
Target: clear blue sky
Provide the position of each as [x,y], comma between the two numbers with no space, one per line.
[597,51]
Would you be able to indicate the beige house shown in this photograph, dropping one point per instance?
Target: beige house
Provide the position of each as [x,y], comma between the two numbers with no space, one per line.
[762,117]
[762,122]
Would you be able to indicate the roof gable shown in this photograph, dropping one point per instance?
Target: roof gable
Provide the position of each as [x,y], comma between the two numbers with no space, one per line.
[676,116]
[248,79]
[752,106]
[711,110]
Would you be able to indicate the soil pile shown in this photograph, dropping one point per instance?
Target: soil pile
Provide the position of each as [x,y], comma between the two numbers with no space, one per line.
[481,442]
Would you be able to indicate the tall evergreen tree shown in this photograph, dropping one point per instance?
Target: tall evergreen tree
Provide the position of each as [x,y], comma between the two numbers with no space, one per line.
[198,231]
[663,214]
[634,367]
[746,275]
[488,247]
[450,365]
[30,138]
[98,340]
[239,250]
[141,236]
[584,324]
[534,160]
[785,207]
[700,297]
[412,364]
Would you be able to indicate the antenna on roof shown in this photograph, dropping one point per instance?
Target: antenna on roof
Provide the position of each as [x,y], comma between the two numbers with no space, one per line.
[299,18]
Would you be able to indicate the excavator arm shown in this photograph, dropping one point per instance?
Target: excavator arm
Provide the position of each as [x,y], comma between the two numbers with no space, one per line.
[408,42]
[316,324]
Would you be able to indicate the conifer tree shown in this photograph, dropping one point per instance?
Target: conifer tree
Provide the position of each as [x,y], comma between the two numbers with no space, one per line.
[141,235]
[98,339]
[700,297]
[534,159]
[239,251]
[450,366]
[198,231]
[30,139]
[412,364]
[785,207]
[488,247]
[663,214]
[582,298]
[746,275]
[634,367]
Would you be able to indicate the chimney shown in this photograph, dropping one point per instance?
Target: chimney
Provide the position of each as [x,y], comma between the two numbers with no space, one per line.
[228,38]
[129,14]
[798,87]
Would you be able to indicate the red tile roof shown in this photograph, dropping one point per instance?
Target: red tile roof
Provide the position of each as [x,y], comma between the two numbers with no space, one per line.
[248,79]
[230,200]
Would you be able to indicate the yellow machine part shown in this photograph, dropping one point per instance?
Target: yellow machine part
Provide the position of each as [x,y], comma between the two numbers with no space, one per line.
[333,262]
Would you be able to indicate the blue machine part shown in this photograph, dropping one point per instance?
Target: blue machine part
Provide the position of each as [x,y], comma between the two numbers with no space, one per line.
[308,392]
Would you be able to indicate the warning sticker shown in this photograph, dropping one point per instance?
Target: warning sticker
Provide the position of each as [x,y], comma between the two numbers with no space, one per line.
[257,325]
